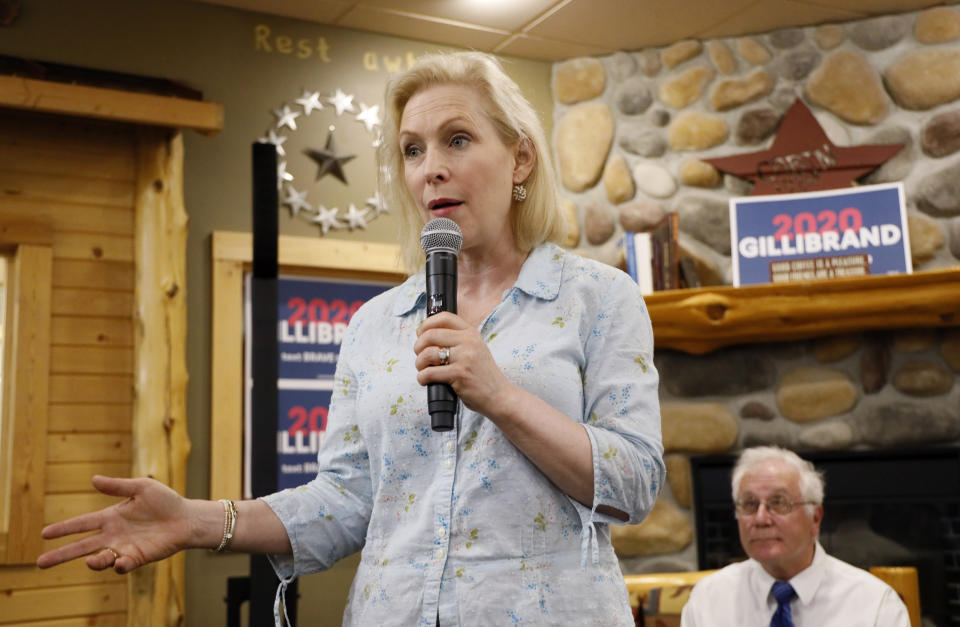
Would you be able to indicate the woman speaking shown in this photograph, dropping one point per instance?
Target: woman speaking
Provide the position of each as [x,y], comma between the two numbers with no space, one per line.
[504,518]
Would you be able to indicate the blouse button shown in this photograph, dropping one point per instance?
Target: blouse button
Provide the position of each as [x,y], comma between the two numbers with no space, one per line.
[441,532]
[447,464]
[449,446]
[439,554]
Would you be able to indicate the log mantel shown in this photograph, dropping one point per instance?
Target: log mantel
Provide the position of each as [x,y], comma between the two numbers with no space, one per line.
[703,319]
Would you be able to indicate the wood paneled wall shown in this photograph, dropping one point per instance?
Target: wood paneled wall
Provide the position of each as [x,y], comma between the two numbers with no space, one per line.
[79,177]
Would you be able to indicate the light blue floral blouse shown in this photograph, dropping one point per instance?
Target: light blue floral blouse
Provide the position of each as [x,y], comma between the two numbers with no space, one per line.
[460,526]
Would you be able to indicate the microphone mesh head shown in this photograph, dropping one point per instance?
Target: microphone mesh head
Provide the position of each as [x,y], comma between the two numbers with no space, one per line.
[441,234]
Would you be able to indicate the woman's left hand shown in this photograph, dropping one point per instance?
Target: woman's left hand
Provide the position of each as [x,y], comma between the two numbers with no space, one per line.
[470,368]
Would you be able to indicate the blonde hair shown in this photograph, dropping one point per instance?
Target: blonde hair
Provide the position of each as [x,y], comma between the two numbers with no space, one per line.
[533,221]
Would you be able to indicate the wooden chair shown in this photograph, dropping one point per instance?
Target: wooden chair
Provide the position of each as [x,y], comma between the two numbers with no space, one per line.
[904,580]
[640,586]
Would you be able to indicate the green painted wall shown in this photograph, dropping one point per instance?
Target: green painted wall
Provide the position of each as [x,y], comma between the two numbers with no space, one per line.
[251,64]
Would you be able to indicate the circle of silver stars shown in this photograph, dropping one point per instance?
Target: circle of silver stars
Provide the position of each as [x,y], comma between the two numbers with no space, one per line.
[354,217]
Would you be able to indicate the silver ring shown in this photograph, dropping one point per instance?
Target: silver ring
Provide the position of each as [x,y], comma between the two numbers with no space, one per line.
[116,555]
[444,356]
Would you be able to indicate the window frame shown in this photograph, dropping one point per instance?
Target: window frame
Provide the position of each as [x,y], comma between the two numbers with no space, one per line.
[24,405]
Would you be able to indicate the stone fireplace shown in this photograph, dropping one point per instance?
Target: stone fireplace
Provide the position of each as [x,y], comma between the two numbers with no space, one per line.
[873,408]
[632,131]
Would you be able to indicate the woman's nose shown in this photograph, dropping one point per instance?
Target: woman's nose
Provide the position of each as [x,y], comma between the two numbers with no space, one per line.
[435,169]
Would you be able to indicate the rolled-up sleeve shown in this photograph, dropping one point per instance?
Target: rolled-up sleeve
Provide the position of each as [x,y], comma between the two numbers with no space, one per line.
[621,405]
[327,518]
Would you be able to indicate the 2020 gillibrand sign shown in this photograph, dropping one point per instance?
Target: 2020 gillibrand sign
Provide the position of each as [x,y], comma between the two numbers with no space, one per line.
[853,231]
[312,317]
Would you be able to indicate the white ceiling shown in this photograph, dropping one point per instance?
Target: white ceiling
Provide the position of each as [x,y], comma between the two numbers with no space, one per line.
[553,30]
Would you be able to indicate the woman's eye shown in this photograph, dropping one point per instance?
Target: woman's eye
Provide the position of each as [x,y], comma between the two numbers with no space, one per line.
[460,141]
[411,152]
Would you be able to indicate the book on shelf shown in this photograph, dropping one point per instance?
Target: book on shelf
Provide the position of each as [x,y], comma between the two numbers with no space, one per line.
[665,254]
[639,254]
[689,277]
[652,256]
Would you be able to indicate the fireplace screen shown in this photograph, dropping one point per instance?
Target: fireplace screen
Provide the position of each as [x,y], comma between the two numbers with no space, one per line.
[882,508]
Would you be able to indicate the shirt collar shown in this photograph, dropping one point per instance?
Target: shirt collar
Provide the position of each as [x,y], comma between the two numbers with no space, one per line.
[542,272]
[539,277]
[805,583]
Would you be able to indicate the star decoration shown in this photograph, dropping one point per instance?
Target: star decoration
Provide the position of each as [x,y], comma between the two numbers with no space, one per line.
[342,102]
[356,218]
[370,116]
[282,174]
[376,203]
[309,101]
[286,117]
[327,218]
[328,161]
[297,201]
[802,158]
[277,140]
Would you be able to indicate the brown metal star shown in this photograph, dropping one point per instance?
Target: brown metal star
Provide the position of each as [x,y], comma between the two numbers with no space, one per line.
[802,158]
[328,161]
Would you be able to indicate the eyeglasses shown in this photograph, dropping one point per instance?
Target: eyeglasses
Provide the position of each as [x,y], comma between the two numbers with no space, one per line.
[779,505]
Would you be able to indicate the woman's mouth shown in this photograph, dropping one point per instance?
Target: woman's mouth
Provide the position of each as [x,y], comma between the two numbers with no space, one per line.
[443,206]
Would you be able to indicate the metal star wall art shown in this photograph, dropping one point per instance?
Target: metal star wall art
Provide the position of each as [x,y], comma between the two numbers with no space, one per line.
[370,116]
[342,102]
[802,158]
[309,101]
[277,140]
[356,218]
[375,203]
[327,160]
[327,218]
[297,201]
[286,117]
[282,175]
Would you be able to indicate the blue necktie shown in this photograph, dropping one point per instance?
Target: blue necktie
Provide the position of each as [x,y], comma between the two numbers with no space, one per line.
[783,592]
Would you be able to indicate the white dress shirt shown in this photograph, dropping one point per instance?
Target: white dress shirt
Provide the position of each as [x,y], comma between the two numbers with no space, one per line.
[829,592]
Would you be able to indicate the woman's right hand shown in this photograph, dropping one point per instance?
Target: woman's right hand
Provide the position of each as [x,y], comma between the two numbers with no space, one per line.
[151,523]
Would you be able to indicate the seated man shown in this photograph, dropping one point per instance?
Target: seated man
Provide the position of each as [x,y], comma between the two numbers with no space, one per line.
[789,580]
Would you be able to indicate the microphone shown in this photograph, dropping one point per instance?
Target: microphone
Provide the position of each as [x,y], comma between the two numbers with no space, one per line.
[441,240]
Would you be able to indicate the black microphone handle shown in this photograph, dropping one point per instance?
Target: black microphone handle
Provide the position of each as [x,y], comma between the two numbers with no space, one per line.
[441,296]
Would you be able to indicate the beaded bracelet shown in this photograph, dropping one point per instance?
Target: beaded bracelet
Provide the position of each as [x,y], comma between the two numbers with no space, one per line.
[229,524]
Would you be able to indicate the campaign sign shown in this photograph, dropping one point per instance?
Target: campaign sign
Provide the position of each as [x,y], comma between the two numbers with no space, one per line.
[853,231]
[312,317]
[302,427]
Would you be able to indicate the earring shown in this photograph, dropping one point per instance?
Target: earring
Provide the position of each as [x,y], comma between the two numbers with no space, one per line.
[519,192]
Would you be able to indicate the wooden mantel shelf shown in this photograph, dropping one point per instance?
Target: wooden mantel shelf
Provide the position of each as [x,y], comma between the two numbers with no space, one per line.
[109,104]
[703,319]
[692,320]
